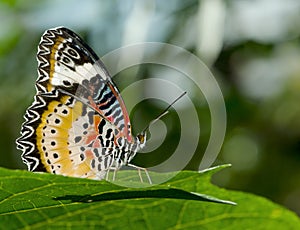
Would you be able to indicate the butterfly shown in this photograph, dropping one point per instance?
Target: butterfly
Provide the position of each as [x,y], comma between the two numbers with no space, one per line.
[78,124]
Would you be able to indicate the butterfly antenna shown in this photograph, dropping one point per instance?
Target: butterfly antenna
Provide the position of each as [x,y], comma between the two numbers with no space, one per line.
[163,113]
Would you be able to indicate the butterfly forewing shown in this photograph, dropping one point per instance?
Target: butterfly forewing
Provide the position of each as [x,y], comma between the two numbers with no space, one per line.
[66,61]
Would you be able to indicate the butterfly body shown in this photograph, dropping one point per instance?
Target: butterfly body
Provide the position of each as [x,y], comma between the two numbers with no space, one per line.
[77,124]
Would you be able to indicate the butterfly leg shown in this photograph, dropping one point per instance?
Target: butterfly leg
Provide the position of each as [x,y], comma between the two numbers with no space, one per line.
[114,169]
[139,171]
[114,175]
[107,175]
[148,176]
[140,175]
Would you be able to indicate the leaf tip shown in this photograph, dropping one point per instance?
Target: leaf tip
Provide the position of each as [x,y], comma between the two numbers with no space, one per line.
[215,168]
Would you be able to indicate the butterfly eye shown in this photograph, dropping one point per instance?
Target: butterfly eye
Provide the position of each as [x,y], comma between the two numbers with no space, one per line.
[141,138]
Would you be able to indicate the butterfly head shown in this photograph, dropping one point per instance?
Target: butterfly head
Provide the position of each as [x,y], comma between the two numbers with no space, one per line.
[141,140]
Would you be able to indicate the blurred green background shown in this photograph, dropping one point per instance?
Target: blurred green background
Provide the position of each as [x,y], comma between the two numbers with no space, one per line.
[251,47]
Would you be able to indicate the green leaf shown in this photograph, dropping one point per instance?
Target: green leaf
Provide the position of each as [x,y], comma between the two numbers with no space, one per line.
[41,201]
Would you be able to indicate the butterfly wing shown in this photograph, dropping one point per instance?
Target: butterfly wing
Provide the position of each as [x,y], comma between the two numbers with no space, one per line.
[77,116]
[71,139]
[66,61]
